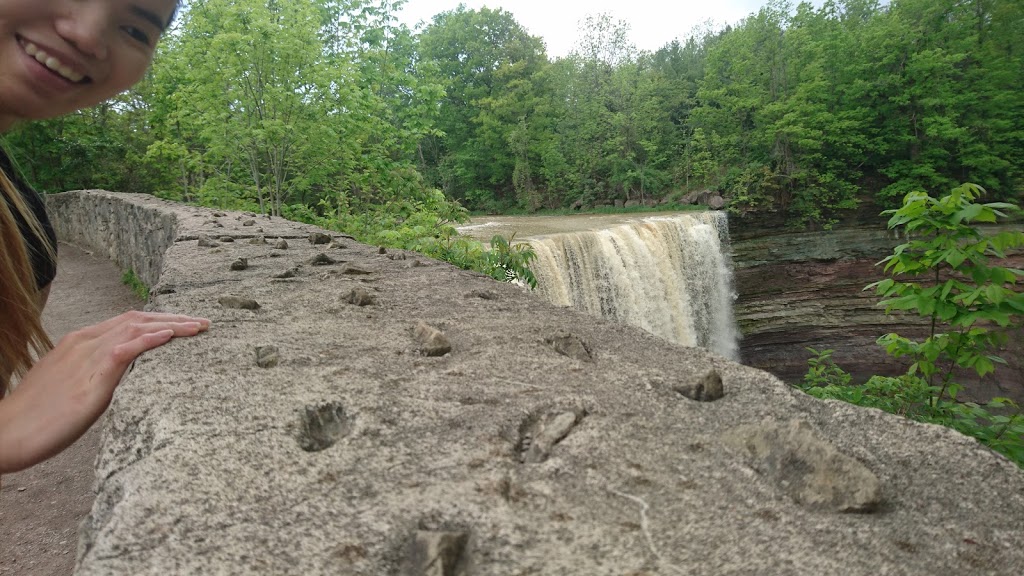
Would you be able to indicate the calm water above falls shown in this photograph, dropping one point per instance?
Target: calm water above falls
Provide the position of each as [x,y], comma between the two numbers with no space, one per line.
[669,274]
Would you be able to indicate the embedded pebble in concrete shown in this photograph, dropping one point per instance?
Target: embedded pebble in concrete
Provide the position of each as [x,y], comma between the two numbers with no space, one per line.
[240,264]
[360,297]
[238,302]
[432,341]
[219,214]
[227,239]
[289,273]
[336,245]
[281,244]
[570,345]
[249,223]
[160,289]
[437,553]
[708,389]
[258,240]
[355,270]
[322,259]
[207,242]
[483,294]
[267,356]
[539,437]
[322,425]
[319,238]
[806,467]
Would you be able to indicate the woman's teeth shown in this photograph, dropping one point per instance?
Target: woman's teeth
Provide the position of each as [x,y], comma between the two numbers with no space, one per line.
[52,63]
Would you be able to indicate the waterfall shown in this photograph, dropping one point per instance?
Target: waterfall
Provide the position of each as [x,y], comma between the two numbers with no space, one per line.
[669,275]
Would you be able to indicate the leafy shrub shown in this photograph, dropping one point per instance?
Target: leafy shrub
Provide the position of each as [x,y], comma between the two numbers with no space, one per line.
[823,371]
[511,262]
[943,273]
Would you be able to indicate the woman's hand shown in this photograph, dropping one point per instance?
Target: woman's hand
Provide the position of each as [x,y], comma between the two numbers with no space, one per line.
[67,390]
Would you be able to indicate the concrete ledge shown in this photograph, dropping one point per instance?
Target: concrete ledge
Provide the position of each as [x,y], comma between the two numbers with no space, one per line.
[328,431]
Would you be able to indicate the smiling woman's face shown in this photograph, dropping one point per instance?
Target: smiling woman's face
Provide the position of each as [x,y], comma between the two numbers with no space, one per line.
[58,56]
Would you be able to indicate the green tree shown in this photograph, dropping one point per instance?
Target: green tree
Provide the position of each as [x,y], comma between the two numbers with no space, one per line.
[956,284]
[259,107]
[94,148]
[612,122]
[486,62]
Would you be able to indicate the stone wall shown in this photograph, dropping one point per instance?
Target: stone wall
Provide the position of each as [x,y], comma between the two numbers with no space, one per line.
[135,234]
[362,411]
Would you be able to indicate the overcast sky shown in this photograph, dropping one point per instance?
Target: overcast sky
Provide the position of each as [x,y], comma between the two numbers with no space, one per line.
[653,23]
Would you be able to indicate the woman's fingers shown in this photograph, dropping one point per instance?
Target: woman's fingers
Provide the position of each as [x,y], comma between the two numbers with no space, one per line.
[128,341]
[145,321]
[125,353]
[134,330]
[127,336]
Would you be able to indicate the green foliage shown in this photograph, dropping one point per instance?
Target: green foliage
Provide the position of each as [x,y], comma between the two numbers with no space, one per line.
[511,262]
[489,67]
[137,286]
[998,424]
[853,95]
[823,371]
[943,273]
[425,225]
[798,110]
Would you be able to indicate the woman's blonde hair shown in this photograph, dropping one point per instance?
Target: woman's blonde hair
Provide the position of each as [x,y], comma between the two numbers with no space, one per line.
[21,330]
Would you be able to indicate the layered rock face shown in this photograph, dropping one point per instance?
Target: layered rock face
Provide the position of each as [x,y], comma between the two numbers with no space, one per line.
[800,290]
[360,411]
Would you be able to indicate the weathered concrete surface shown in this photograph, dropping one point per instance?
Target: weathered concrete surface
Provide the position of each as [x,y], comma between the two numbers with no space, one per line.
[357,454]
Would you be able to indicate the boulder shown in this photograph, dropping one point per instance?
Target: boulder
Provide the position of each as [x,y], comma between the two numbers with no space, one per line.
[697,197]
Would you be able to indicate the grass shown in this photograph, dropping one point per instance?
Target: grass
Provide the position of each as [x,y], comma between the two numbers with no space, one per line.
[131,280]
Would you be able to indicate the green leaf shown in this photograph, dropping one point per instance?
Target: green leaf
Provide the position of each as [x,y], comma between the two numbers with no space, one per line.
[955,258]
[946,288]
[995,294]
[969,213]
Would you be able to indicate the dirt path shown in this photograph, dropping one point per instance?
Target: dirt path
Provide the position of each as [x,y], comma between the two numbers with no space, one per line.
[40,508]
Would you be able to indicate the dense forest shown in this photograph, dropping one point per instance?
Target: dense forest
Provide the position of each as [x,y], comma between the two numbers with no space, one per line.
[330,111]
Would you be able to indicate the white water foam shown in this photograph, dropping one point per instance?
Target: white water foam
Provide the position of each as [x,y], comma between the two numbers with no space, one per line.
[669,275]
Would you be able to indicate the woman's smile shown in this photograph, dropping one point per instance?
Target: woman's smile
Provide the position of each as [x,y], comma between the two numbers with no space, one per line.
[52,61]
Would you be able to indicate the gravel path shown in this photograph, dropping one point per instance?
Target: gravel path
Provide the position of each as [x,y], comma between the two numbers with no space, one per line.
[40,508]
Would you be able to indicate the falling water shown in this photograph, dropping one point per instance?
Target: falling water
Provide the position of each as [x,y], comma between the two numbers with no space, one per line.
[668,275]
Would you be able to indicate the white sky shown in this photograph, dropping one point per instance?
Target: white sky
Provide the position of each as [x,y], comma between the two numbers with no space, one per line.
[653,23]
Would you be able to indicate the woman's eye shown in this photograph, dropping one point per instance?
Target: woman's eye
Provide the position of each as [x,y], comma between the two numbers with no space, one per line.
[137,34]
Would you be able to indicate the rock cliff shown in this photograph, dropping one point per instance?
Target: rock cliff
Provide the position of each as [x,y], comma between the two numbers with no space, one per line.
[800,290]
[361,411]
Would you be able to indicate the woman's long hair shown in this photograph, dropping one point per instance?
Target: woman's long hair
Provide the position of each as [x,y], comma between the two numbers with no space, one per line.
[21,326]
